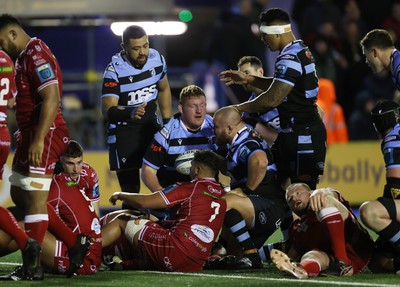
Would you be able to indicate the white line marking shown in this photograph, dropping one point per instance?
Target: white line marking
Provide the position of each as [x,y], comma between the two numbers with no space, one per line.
[362,284]
[9,263]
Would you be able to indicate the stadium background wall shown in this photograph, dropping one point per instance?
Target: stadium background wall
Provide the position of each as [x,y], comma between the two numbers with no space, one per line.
[356,169]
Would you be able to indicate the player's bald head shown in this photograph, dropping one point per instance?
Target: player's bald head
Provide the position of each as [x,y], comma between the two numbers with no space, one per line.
[228,115]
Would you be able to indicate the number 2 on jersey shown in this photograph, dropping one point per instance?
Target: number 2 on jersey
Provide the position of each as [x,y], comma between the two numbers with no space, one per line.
[216,206]
[5,88]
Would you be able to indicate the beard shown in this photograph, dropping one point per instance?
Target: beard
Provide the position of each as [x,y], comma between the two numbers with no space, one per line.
[12,51]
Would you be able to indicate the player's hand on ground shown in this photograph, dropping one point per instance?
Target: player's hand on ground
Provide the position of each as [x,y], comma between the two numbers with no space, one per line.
[114,197]
[138,112]
[317,200]
[35,153]
[231,77]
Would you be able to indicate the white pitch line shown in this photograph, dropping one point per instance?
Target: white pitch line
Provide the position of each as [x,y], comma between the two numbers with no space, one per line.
[362,284]
[9,263]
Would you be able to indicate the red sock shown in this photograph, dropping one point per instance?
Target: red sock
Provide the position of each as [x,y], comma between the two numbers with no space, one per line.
[9,225]
[59,229]
[333,221]
[311,266]
[36,226]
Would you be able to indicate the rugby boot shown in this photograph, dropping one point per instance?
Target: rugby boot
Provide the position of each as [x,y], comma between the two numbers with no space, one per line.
[18,274]
[77,253]
[283,263]
[338,268]
[31,259]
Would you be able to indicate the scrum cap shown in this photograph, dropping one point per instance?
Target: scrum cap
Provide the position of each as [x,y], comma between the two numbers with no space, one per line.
[385,115]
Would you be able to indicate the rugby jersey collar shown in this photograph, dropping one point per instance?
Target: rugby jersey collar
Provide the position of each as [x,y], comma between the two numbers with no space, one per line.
[290,44]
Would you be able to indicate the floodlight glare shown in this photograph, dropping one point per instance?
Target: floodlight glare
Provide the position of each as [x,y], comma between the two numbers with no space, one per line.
[152,28]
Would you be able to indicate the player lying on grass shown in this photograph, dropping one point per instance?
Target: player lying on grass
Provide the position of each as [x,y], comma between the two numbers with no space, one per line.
[326,239]
[183,244]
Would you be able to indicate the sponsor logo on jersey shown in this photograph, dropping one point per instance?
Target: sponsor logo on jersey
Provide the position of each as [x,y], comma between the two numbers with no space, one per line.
[96,190]
[140,96]
[45,72]
[395,192]
[110,68]
[164,132]
[262,217]
[7,69]
[204,233]
[3,60]
[291,57]
[156,148]
[280,70]
[71,183]
[152,72]
[152,55]
[244,154]
[180,141]
[110,84]
[130,79]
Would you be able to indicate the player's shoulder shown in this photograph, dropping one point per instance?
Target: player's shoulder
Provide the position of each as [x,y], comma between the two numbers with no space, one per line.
[88,170]
[171,127]
[5,60]
[155,56]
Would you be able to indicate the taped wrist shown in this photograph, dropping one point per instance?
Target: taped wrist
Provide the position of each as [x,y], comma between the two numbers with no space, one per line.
[118,114]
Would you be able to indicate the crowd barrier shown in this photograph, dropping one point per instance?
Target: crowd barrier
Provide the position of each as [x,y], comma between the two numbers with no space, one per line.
[356,169]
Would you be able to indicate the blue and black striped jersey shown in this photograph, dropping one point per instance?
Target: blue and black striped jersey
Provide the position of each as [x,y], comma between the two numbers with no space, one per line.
[134,86]
[391,148]
[174,138]
[295,66]
[395,68]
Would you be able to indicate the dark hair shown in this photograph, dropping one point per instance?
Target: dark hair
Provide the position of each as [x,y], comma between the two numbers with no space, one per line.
[190,91]
[209,159]
[7,19]
[252,60]
[274,16]
[74,149]
[377,38]
[385,115]
[132,32]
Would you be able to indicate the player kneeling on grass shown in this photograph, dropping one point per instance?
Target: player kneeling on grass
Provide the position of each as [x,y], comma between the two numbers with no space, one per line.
[326,239]
[183,244]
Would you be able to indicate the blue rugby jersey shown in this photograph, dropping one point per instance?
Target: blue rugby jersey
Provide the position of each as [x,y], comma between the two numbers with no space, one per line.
[174,138]
[391,148]
[295,66]
[271,117]
[246,143]
[395,68]
[134,86]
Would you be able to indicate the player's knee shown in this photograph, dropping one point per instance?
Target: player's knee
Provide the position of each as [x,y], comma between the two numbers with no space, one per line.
[133,226]
[370,211]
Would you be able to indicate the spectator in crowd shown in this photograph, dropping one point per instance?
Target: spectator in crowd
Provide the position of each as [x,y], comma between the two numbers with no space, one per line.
[360,121]
[333,116]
